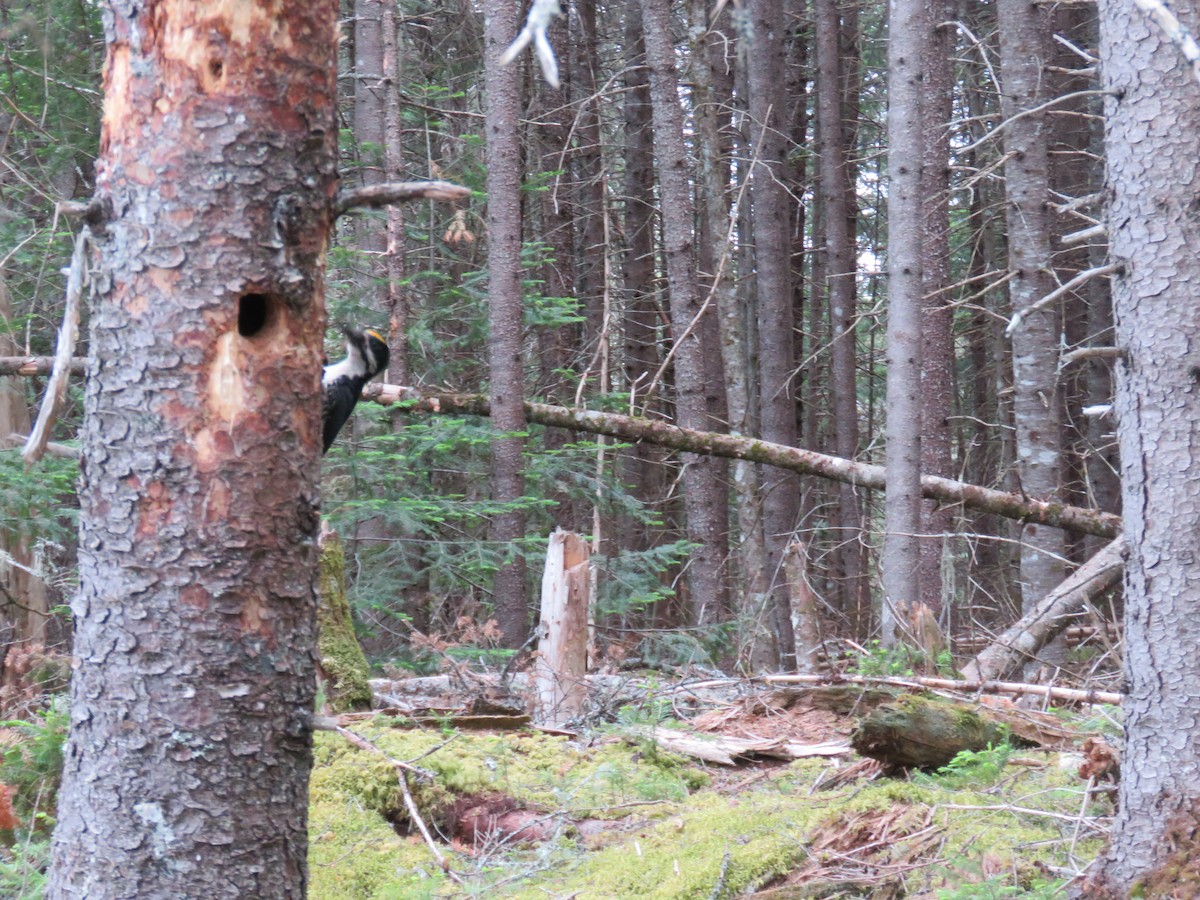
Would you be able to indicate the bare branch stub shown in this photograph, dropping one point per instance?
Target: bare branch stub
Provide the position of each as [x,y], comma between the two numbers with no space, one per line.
[378,195]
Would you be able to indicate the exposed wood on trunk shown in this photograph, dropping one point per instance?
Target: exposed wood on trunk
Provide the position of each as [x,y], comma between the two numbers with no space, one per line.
[561,662]
[1041,624]
[806,624]
[631,428]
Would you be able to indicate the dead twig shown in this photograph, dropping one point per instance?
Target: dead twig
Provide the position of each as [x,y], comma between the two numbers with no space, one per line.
[402,769]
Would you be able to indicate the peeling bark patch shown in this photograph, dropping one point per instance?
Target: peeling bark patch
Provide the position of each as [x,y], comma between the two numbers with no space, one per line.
[254,614]
[226,392]
[194,596]
[116,93]
[154,510]
[162,835]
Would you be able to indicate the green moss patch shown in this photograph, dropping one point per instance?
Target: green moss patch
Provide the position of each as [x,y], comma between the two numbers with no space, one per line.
[629,821]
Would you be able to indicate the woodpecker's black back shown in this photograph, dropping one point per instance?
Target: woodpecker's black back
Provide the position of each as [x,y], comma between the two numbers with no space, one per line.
[342,382]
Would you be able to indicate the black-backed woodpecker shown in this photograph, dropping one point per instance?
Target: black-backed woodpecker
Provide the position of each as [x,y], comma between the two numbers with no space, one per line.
[342,382]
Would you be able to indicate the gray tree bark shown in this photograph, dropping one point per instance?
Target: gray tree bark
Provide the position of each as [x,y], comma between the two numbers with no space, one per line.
[841,270]
[22,621]
[908,26]
[937,336]
[186,770]
[1037,406]
[641,463]
[502,87]
[753,606]
[370,135]
[1153,144]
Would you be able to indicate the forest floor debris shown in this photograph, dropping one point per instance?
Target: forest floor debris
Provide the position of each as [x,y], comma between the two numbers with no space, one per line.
[613,809]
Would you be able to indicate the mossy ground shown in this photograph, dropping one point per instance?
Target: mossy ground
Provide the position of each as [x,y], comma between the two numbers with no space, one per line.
[627,821]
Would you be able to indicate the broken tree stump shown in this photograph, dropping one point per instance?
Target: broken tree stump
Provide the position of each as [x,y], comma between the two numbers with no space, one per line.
[561,663]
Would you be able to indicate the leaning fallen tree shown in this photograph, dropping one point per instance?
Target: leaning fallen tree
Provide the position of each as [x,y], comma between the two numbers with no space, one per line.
[1022,640]
[807,462]
[635,429]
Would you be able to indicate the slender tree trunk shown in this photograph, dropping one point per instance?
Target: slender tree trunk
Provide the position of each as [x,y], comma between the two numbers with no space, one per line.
[706,515]
[1153,143]
[756,633]
[370,136]
[1024,51]
[502,85]
[589,179]
[17,580]
[937,338]
[194,681]
[908,26]
[840,276]
[641,463]
[769,112]
[396,297]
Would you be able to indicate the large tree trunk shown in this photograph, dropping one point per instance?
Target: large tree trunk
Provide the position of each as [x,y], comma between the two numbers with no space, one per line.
[702,493]
[908,24]
[772,268]
[502,84]
[186,770]
[1153,134]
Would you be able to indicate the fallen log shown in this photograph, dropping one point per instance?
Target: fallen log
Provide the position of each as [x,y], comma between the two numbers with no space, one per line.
[808,462]
[924,733]
[730,446]
[1053,614]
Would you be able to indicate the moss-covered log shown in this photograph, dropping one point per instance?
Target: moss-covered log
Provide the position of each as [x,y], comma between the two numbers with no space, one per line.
[924,732]
[342,669]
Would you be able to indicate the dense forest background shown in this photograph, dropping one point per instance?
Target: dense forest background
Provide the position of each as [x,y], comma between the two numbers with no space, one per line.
[782,141]
[929,248]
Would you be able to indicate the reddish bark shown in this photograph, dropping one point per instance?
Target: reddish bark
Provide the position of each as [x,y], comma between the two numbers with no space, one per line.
[195,616]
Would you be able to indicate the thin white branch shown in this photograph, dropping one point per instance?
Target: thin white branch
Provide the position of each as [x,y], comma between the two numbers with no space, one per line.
[68,334]
[1089,353]
[541,15]
[1086,234]
[1078,281]
[1033,110]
